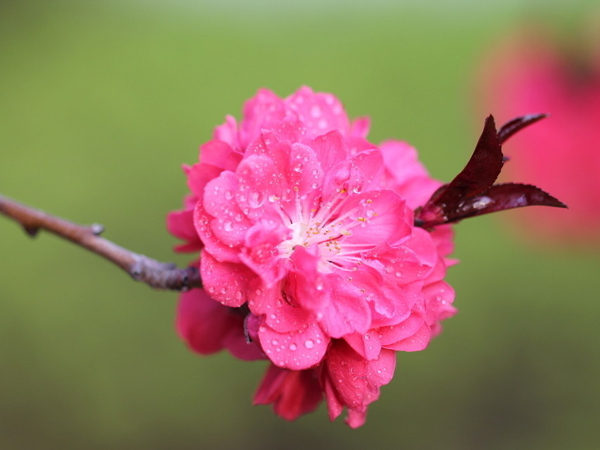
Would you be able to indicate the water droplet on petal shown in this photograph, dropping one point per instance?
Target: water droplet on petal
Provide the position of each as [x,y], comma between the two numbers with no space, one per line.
[228,195]
[309,343]
[256,199]
[293,347]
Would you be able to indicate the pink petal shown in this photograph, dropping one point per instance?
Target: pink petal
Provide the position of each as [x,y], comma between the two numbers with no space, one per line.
[228,133]
[341,308]
[405,175]
[225,282]
[295,350]
[347,312]
[279,313]
[439,297]
[222,252]
[208,327]
[412,261]
[262,111]
[261,252]
[305,284]
[417,342]
[334,405]
[229,225]
[367,345]
[320,112]
[292,393]
[199,175]
[369,163]
[181,225]
[375,217]
[393,334]
[356,417]
[330,149]
[360,127]
[219,154]
[356,380]
[262,188]
[305,173]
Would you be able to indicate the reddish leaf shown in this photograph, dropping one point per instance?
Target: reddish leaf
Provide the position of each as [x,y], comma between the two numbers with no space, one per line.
[473,193]
[501,197]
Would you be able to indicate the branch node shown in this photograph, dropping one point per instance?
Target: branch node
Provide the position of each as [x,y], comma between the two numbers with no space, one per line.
[31,231]
[97,229]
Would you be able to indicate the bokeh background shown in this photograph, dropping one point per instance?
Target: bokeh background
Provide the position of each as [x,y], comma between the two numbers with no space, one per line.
[100,103]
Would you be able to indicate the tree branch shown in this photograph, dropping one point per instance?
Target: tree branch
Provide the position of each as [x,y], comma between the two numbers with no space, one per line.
[141,268]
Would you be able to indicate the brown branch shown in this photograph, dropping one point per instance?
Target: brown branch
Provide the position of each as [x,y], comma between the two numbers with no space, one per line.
[141,268]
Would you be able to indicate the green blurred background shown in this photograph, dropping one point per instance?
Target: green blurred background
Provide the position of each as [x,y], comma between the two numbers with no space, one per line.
[100,103]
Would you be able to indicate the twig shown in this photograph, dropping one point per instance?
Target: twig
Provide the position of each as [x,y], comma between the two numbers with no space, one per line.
[141,268]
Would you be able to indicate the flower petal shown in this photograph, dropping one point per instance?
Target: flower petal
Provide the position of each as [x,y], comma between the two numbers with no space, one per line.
[292,392]
[226,282]
[295,350]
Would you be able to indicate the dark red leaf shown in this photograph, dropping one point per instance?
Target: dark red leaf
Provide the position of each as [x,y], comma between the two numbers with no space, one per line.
[478,175]
[473,193]
[501,197]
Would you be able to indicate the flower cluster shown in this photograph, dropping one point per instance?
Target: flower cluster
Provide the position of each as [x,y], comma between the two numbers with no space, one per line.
[309,254]
[530,72]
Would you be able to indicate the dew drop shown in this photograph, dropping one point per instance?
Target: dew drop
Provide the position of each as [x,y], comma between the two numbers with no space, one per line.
[228,226]
[274,342]
[398,274]
[293,347]
[239,295]
[228,195]
[482,202]
[256,200]
[309,343]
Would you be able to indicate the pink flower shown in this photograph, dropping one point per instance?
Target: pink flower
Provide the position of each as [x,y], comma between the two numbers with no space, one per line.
[310,257]
[562,154]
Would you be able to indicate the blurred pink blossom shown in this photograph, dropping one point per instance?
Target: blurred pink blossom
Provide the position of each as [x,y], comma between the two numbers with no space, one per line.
[531,73]
[309,254]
